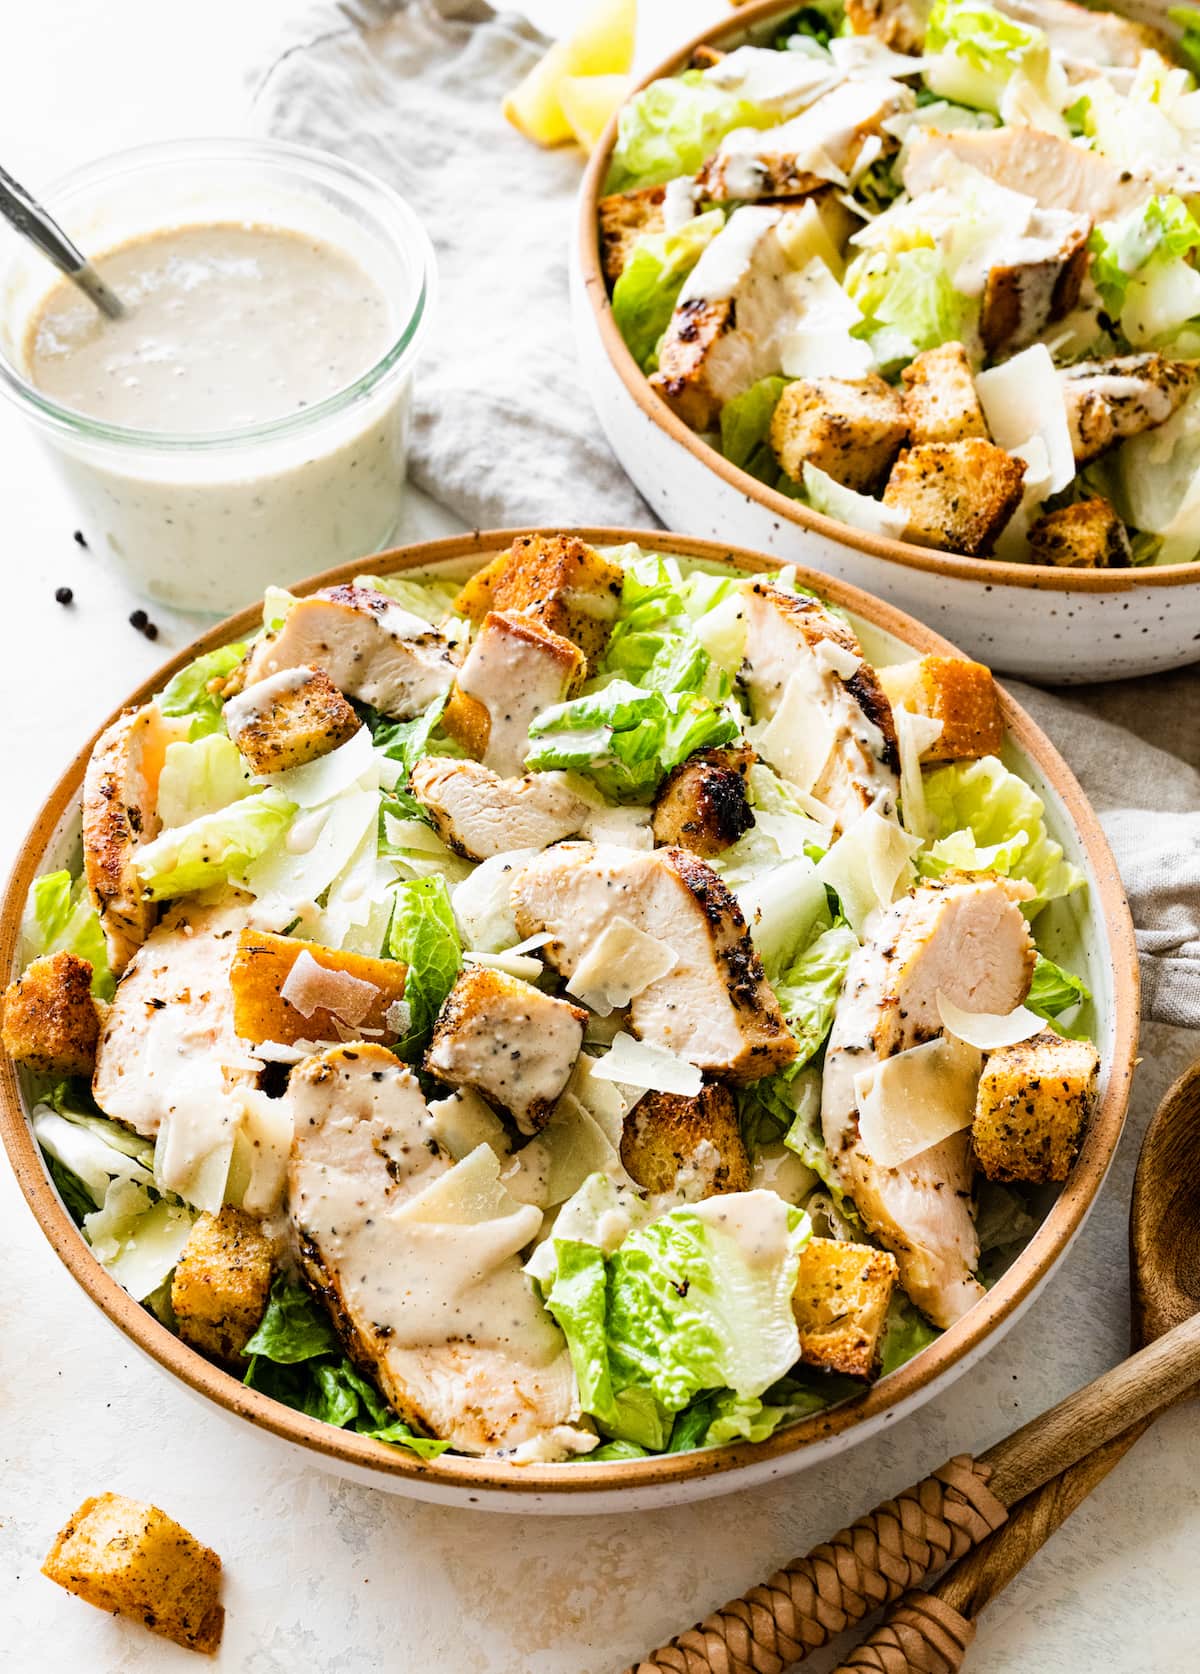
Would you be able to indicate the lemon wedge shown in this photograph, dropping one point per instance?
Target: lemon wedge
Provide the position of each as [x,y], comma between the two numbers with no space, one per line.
[601,50]
[588,102]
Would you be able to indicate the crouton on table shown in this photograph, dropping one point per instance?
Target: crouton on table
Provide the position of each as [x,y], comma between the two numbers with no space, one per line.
[841,1303]
[50,1021]
[124,1556]
[221,1283]
[507,1040]
[1086,536]
[957,496]
[288,719]
[559,580]
[940,402]
[260,970]
[624,217]
[1034,1103]
[955,691]
[514,669]
[692,1143]
[850,428]
[702,804]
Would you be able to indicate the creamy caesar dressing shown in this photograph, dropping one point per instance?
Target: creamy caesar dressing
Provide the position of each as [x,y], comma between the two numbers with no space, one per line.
[226,325]
[778,81]
[256,701]
[514,684]
[757,1222]
[724,263]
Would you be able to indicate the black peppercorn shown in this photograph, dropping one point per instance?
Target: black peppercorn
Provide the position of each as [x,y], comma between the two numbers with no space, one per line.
[63,595]
[138,619]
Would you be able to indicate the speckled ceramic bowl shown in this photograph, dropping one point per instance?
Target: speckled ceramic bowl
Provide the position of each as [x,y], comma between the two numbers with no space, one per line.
[1091,931]
[1030,620]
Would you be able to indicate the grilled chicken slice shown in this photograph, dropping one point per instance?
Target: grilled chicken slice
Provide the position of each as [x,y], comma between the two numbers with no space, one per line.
[714,1007]
[702,804]
[169,1037]
[425,1287]
[899,24]
[1087,37]
[515,668]
[820,146]
[1109,400]
[968,938]
[796,643]
[724,333]
[1034,280]
[478,814]
[1055,172]
[120,794]
[370,648]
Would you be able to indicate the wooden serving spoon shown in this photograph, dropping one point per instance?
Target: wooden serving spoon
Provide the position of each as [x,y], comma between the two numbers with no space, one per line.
[906,1541]
[927,1632]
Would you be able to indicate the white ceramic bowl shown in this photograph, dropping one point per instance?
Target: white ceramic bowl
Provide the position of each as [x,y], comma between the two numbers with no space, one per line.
[1031,620]
[1091,932]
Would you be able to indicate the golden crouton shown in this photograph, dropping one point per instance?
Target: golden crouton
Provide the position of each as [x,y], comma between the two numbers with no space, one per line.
[1021,298]
[221,1283]
[675,1140]
[508,1040]
[50,1021]
[899,24]
[957,496]
[261,967]
[841,1303]
[558,580]
[940,402]
[1087,536]
[624,217]
[1034,1102]
[132,1559]
[553,669]
[955,691]
[289,720]
[850,428]
[702,803]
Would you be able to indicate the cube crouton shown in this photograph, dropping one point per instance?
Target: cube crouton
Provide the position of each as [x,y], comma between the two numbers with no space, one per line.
[850,428]
[957,496]
[261,967]
[624,217]
[559,581]
[841,1303]
[955,691]
[124,1556]
[50,1021]
[940,402]
[691,1143]
[508,1041]
[1034,1103]
[702,804]
[1086,536]
[289,719]
[221,1283]
[515,668]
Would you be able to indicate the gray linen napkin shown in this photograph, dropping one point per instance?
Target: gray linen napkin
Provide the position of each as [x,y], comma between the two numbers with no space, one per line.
[504,434]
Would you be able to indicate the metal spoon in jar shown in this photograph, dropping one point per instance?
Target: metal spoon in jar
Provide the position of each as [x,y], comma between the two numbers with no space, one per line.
[35,223]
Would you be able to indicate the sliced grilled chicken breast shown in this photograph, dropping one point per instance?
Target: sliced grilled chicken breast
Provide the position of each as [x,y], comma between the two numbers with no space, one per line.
[369,647]
[1087,37]
[798,651]
[478,814]
[1056,172]
[715,1007]
[428,1297]
[120,794]
[516,667]
[169,1035]
[1108,400]
[968,938]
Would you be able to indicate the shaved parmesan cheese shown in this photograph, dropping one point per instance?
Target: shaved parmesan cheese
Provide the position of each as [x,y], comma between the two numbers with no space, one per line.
[1024,398]
[860,511]
[512,964]
[482,902]
[321,780]
[264,1142]
[832,658]
[819,342]
[284,1052]
[866,865]
[412,834]
[398,1017]
[856,54]
[621,962]
[914,734]
[532,943]
[988,1030]
[310,987]
[635,1063]
[916,1099]
[304,877]
[804,237]
[798,738]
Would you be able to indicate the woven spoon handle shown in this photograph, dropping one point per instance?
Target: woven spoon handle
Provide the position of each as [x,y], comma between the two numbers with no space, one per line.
[804,1605]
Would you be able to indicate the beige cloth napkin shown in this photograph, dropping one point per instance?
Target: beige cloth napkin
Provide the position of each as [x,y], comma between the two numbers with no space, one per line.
[505,434]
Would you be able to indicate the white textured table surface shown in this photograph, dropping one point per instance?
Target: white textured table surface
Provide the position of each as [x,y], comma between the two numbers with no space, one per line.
[323,1578]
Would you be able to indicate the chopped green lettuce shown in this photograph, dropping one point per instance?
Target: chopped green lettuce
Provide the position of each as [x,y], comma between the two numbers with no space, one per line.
[1142,269]
[908,302]
[200,777]
[1054,990]
[187,693]
[972,52]
[985,818]
[431,600]
[905,1334]
[745,427]
[673,126]
[137,1237]
[59,917]
[808,990]
[645,295]
[656,639]
[214,847]
[723,1416]
[424,936]
[1187,20]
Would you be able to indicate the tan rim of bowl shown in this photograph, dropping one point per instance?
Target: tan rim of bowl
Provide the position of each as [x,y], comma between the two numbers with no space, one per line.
[476,1474]
[986,570]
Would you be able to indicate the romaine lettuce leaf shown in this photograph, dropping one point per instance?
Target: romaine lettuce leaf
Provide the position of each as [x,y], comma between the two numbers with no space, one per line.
[424,936]
[137,1238]
[1140,265]
[645,295]
[59,917]
[723,1417]
[1187,20]
[1054,990]
[200,777]
[431,600]
[673,126]
[187,693]
[908,301]
[655,641]
[407,741]
[906,1333]
[745,426]
[987,819]
[214,847]
[973,51]
[808,991]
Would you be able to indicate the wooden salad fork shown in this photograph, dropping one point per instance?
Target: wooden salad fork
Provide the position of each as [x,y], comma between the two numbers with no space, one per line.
[1054,1460]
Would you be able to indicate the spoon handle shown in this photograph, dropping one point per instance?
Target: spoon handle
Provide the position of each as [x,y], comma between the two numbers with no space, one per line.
[22,210]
